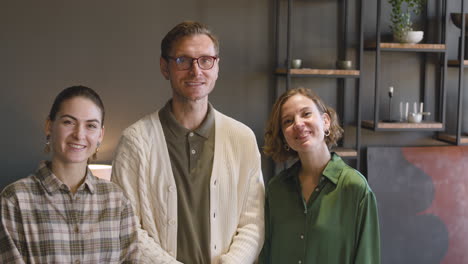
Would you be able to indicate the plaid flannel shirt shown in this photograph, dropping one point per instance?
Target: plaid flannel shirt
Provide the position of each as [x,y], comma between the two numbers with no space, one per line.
[42,221]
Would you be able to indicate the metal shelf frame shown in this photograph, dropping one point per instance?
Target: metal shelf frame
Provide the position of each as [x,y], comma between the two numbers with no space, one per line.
[425,49]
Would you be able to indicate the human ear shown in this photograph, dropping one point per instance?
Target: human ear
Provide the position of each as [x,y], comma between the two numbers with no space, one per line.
[164,66]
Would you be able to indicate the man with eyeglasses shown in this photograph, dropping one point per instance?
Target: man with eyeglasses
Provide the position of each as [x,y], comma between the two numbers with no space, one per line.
[193,174]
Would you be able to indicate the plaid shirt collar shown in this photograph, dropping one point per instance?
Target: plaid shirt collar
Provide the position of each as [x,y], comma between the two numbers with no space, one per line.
[52,184]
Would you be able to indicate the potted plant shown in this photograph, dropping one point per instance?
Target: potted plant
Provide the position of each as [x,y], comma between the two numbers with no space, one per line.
[402,26]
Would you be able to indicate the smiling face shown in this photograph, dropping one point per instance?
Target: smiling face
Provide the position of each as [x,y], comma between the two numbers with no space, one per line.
[303,125]
[193,84]
[76,131]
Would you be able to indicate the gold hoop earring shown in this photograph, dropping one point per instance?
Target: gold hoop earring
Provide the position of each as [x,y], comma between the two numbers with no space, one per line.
[47,145]
[327,132]
[97,150]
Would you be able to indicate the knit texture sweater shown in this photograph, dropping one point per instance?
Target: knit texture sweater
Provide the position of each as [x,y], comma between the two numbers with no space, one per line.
[142,168]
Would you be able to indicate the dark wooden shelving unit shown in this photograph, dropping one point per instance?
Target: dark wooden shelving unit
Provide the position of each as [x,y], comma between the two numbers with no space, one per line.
[285,71]
[458,137]
[438,47]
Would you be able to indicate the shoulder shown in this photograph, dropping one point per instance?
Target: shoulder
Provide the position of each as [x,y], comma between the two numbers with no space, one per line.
[109,189]
[140,131]
[353,181]
[228,124]
[278,181]
[21,188]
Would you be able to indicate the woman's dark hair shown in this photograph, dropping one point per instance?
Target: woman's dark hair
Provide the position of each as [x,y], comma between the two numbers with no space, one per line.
[76,91]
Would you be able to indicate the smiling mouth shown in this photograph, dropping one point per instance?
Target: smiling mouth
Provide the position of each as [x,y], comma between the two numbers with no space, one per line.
[75,146]
[303,135]
[194,84]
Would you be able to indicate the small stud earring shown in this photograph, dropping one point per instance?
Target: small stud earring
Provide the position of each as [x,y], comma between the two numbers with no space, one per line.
[286,147]
[327,132]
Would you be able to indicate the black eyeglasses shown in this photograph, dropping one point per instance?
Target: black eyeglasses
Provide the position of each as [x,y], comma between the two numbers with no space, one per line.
[184,63]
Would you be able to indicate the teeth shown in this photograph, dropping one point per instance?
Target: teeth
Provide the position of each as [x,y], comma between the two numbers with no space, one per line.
[77,146]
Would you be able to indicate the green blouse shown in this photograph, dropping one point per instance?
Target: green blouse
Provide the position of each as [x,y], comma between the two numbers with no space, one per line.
[338,225]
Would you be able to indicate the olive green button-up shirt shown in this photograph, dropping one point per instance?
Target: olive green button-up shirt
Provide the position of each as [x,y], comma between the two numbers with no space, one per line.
[338,225]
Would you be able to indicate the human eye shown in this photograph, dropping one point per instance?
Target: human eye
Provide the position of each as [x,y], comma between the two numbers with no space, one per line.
[206,60]
[92,126]
[67,122]
[286,122]
[181,60]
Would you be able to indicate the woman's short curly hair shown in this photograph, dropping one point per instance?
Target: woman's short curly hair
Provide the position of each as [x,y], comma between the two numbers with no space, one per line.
[274,138]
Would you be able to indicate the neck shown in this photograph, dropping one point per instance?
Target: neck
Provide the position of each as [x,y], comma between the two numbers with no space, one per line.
[73,175]
[314,162]
[190,114]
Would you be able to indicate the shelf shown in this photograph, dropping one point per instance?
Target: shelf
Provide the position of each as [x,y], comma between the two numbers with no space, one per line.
[401,126]
[345,152]
[456,63]
[452,138]
[306,72]
[386,46]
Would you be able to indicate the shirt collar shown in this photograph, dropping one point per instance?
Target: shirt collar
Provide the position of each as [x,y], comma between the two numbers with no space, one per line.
[51,183]
[332,171]
[334,167]
[204,130]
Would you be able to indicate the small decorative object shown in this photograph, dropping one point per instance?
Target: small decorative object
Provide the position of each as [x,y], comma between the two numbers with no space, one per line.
[411,37]
[390,96]
[401,19]
[457,21]
[296,63]
[415,116]
[344,64]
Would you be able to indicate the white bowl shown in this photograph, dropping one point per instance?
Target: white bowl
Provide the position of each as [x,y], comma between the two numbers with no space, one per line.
[411,37]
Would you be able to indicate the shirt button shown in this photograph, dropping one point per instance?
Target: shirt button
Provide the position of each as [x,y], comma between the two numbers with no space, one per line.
[317,189]
[190,134]
[172,222]
[193,151]
[302,236]
[215,182]
[214,215]
[300,261]
[172,189]
[77,229]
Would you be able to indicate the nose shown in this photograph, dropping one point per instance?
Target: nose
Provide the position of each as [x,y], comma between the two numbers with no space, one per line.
[79,132]
[298,124]
[195,69]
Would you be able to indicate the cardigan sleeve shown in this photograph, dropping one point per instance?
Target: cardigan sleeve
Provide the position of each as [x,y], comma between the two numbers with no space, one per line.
[248,241]
[129,167]
[264,257]
[368,240]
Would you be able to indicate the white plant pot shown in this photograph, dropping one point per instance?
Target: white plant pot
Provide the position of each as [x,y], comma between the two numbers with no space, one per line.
[411,37]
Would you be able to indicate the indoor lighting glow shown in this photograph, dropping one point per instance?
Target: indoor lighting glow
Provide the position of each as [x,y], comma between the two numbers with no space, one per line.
[101,170]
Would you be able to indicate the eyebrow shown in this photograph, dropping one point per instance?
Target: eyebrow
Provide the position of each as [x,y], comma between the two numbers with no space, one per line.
[74,118]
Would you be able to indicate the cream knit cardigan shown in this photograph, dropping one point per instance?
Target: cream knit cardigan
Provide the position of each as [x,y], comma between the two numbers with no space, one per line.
[142,168]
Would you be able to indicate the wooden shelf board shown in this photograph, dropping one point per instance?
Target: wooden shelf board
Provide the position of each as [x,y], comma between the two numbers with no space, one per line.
[307,71]
[456,63]
[452,138]
[402,125]
[389,45]
[345,152]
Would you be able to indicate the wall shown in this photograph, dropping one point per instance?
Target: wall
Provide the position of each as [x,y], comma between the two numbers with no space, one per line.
[113,47]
